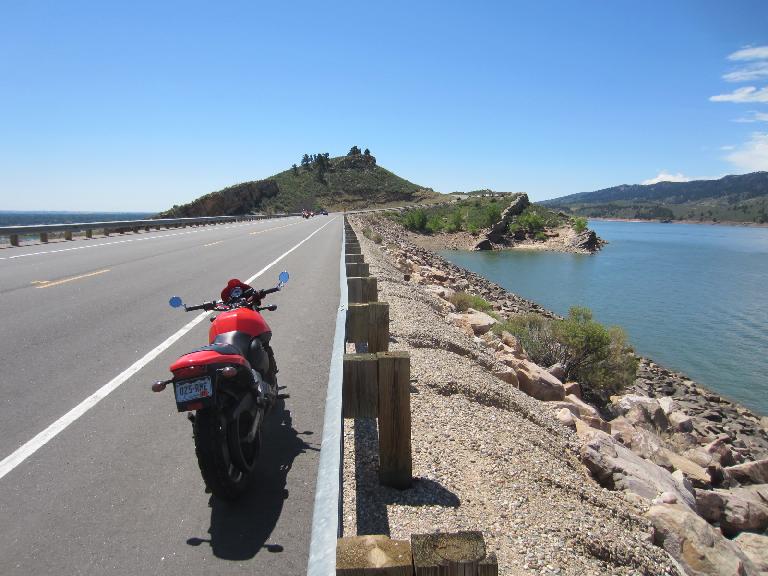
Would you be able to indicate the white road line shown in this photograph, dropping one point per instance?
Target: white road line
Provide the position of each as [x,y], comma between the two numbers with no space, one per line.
[128,240]
[30,447]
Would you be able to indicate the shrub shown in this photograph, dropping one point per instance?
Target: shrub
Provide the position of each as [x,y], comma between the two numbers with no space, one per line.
[579,224]
[434,224]
[597,357]
[463,301]
[371,235]
[531,222]
[540,236]
[455,221]
[415,220]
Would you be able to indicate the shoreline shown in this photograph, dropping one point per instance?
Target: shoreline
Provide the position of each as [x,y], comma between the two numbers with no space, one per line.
[700,398]
[559,240]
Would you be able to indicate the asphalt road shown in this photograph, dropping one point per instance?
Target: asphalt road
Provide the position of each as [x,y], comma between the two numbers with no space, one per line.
[118,490]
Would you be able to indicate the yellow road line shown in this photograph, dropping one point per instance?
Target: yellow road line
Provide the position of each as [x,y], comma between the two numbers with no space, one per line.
[65,280]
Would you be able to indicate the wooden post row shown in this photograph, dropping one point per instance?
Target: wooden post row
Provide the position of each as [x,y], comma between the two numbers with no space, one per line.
[14,239]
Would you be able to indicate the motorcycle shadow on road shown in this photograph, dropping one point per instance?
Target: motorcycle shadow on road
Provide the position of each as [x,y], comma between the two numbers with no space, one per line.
[240,530]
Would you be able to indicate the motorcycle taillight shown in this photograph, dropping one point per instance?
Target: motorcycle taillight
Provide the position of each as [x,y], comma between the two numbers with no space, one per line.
[189,372]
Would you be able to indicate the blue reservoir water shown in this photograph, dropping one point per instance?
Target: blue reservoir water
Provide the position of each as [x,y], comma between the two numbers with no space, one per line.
[693,298]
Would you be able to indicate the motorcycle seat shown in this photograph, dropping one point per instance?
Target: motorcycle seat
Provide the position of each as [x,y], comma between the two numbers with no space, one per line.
[237,343]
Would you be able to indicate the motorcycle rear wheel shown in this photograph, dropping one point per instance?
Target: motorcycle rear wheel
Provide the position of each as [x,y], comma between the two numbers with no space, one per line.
[221,476]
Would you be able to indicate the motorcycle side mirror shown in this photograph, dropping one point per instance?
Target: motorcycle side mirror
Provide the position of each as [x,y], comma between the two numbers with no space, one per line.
[175,302]
[283,278]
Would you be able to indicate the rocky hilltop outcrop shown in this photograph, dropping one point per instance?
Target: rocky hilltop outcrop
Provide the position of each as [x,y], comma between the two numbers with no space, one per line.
[690,463]
[344,182]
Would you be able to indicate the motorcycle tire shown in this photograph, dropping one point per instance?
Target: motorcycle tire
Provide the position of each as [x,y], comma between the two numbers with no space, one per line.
[221,476]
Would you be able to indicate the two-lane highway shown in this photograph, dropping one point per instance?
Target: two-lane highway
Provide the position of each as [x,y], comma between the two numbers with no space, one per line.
[113,487]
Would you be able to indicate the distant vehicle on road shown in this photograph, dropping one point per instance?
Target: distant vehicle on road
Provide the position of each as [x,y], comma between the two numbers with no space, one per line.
[323,212]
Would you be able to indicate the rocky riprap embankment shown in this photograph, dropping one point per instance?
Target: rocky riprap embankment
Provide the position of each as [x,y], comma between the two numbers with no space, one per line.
[504,446]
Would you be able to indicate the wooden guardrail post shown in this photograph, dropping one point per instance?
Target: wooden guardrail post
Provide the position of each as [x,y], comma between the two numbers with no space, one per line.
[460,553]
[353,258]
[68,235]
[378,327]
[360,391]
[362,290]
[14,239]
[44,237]
[373,556]
[358,269]
[357,323]
[369,323]
[395,465]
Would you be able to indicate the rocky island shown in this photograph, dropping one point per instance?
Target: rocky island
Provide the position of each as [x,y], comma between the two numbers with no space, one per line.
[497,221]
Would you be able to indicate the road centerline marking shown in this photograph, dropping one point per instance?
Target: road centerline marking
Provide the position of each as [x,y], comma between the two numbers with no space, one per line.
[26,450]
[47,284]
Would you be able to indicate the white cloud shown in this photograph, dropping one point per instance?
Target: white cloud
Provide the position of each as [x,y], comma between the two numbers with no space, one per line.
[745,94]
[755,71]
[751,155]
[727,147]
[666,177]
[750,53]
[756,117]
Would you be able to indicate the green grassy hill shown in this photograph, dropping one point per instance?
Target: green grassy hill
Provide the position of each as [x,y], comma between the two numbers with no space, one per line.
[347,182]
[741,198]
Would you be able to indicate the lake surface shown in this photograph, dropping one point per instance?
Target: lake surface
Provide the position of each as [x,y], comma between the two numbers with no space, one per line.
[21,218]
[693,298]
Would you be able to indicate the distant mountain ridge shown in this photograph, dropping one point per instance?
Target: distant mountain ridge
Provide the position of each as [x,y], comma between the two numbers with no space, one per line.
[344,182]
[736,198]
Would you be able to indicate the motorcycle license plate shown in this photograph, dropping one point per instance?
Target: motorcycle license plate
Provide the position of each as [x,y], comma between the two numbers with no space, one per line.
[194,389]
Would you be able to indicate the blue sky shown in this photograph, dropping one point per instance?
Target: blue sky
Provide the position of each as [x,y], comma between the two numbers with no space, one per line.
[142,105]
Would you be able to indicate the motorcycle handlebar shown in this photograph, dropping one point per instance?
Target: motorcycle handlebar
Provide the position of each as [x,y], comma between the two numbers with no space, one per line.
[203,306]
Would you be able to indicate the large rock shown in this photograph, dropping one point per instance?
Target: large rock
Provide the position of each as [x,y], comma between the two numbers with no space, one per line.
[698,547]
[695,473]
[587,240]
[514,344]
[517,206]
[641,411]
[618,468]
[538,383]
[668,404]
[479,322]
[734,511]
[755,547]
[750,472]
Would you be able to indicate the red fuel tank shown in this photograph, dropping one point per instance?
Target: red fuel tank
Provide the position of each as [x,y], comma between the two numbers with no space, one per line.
[241,320]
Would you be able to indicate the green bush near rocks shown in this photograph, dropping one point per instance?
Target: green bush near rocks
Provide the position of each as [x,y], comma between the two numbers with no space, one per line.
[594,355]
[463,301]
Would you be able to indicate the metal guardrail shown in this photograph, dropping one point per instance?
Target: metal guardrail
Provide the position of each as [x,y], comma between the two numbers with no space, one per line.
[15,232]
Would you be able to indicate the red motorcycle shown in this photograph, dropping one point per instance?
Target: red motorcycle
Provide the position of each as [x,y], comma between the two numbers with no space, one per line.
[231,384]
